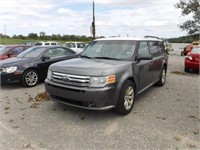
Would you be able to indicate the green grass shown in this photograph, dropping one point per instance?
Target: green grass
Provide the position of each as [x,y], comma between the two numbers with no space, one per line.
[8,41]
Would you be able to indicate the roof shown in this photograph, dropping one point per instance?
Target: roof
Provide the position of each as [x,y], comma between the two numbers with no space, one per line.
[128,38]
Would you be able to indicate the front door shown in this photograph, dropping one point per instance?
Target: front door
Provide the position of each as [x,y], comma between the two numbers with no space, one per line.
[145,72]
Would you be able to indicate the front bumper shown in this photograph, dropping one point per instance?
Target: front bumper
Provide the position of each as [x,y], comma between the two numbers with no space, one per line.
[9,77]
[83,97]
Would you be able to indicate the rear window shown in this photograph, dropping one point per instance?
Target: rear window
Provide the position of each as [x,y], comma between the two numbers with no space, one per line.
[4,49]
[196,50]
[70,45]
[38,44]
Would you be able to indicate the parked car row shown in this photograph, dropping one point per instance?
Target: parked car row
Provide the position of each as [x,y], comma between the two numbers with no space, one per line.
[76,46]
[9,51]
[108,74]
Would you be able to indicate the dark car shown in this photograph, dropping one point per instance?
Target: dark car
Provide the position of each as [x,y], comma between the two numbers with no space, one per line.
[31,65]
[109,73]
[9,51]
[192,60]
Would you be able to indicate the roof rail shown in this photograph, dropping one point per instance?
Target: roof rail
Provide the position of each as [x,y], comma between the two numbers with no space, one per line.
[148,36]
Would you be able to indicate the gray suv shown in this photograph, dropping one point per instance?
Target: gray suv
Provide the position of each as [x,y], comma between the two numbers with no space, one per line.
[109,73]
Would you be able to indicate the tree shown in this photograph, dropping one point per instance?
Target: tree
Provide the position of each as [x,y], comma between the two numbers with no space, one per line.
[33,35]
[42,35]
[21,36]
[190,7]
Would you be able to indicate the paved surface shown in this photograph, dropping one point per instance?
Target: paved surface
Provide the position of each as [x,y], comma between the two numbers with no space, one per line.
[162,118]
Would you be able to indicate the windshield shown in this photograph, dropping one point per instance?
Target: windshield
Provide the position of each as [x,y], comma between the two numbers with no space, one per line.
[196,50]
[33,52]
[113,49]
[4,49]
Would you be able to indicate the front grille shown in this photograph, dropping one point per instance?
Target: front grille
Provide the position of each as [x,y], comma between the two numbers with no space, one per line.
[70,79]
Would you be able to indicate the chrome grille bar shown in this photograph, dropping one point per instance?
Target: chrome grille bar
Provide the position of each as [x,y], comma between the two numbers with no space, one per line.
[71,79]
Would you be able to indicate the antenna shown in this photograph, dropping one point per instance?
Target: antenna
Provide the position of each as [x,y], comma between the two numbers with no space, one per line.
[93,31]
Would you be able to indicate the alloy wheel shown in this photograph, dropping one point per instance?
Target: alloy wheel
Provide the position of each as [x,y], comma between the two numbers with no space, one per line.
[129,98]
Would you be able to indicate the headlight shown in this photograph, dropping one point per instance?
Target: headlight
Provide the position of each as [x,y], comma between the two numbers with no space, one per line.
[49,75]
[101,81]
[10,69]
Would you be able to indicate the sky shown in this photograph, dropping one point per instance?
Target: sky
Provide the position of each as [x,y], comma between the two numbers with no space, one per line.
[135,18]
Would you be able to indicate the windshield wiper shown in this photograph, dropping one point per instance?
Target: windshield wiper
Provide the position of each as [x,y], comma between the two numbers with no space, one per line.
[86,56]
[106,58]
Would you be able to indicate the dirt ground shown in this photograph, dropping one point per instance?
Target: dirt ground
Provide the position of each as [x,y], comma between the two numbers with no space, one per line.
[162,118]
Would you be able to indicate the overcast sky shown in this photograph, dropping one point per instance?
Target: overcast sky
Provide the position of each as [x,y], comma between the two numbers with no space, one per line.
[113,17]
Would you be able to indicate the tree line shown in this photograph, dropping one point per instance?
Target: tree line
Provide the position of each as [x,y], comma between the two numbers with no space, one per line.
[185,39]
[55,37]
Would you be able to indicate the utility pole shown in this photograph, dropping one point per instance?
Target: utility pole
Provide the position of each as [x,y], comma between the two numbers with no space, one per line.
[93,31]
[5,34]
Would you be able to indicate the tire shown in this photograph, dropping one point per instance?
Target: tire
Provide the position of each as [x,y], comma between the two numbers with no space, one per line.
[186,69]
[30,78]
[126,98]
[182,53]
[162,79]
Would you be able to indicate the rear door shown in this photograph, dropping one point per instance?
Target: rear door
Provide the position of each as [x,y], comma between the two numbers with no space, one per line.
[158,57]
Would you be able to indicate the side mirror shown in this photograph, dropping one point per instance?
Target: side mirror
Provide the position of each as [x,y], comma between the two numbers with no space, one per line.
[145,58]
[45,58]
[9,54]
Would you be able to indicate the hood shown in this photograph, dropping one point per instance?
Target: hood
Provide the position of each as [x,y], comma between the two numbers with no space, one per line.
[84,66]
[15,61]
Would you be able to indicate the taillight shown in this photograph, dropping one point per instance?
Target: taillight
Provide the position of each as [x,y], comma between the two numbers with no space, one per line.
[189,57]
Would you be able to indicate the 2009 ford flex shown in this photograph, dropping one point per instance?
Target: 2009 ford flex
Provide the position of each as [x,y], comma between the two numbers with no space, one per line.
[109,73]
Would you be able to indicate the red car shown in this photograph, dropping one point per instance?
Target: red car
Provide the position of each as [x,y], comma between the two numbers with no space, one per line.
[9,51]
[187,49]
[192,60]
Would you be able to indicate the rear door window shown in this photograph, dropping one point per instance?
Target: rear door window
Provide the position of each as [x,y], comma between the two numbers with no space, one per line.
[17,50]
[53,44]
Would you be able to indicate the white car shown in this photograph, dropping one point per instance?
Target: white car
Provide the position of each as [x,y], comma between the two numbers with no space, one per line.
[78,47]
[48,43]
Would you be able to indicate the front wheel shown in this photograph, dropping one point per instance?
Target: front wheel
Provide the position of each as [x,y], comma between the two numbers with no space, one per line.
[30,78]
[126,99]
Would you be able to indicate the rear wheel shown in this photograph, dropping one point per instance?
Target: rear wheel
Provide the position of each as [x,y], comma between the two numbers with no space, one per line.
[126,99]
[186,69]
[162,80]
[30,78]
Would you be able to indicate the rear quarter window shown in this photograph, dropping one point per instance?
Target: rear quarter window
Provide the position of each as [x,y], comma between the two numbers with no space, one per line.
[154,47]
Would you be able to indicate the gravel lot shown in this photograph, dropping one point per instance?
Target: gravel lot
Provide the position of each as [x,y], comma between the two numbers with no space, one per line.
[162,118]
